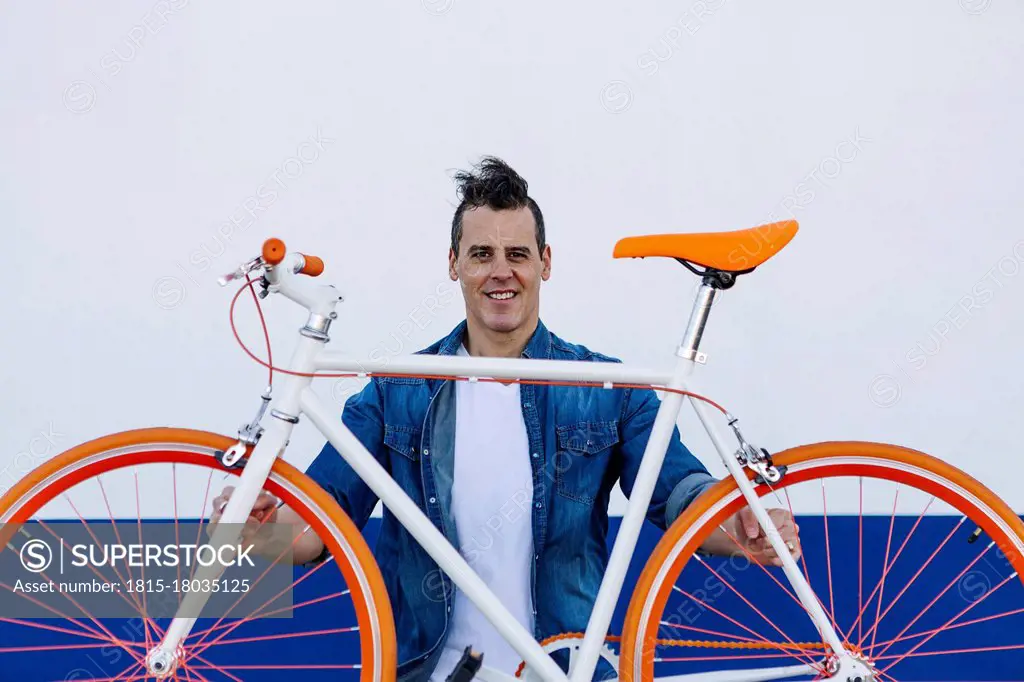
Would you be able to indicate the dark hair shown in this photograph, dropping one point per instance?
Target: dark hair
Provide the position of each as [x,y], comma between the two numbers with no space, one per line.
[494,184]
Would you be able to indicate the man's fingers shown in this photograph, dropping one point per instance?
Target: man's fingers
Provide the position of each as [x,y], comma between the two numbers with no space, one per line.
[265,501]
[749,522]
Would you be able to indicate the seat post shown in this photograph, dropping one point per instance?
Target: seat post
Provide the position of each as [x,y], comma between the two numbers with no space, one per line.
[688,348]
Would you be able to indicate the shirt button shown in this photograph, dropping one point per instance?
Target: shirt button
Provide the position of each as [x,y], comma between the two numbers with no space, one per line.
[433,500]
[536,455]
[539,505]
[426,451]
[526,404]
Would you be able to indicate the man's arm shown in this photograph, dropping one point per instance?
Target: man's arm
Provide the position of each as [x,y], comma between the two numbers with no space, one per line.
[272,529]
[364,416]
[682,477]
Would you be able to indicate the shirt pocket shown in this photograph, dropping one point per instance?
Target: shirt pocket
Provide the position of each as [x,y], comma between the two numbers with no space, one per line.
[582,458]
[405,440]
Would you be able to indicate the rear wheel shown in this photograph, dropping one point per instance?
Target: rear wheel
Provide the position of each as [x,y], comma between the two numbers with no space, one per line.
[917,564]
[340,627]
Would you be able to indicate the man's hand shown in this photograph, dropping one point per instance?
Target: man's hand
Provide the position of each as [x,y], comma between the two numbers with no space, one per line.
[272,529]
[743,528]
[256,531]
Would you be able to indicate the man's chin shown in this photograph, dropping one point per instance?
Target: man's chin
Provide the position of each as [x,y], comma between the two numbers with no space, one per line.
[502,324]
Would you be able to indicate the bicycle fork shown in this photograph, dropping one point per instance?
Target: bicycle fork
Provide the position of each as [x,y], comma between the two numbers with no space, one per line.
[164,658]
[844,666]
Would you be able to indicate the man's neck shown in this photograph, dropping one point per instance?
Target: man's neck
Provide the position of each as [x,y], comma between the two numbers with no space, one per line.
[483,342]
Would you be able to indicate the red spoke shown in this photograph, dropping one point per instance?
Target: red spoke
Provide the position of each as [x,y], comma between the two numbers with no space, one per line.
[807,575]
[174,499]
[864,607]
[744,599]
[51,647]
[54,628]
[119,678]
[135,600]
[113,524]
[96,571]
[750,557]
[945,625]
[878,620]
[189,671]
[109,635]
[1006,647]
[932,603]
[309,633]
[885,567]
[860,564]
[133,669]
[85,628]
[953,627]
[138,512]
[828,559]
[705,631]
[255,613]
[293,607]
[202,517]
[310,666]
[212,666]
[759,637]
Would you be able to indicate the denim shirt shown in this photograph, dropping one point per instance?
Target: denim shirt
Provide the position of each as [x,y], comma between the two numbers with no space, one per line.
[582,440]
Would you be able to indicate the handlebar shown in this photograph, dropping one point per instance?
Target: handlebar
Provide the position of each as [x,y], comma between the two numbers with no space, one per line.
[274,252]
[279,268]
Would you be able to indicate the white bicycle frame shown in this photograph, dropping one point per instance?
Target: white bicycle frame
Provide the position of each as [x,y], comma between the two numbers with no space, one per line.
[295,397]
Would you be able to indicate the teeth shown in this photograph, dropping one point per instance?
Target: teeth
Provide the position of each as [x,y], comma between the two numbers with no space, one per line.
[503,296]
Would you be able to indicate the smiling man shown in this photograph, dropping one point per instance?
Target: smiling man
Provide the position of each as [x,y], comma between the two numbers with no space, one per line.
[517,476]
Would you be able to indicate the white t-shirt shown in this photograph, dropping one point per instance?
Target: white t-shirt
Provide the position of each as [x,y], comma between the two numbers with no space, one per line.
[492,493]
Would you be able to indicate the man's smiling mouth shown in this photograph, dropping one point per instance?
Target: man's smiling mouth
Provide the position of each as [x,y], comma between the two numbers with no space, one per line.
[501,295]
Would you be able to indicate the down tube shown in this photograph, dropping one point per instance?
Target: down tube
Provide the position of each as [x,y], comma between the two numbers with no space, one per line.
[629,529]
[429,537]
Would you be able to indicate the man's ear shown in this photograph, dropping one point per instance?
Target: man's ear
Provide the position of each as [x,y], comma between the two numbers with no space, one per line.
[545,257]
[452,272]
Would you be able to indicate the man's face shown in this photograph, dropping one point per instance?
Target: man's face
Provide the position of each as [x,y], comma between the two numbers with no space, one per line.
[499,267]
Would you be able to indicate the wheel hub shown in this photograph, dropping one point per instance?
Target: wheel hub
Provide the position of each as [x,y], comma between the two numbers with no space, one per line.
[161,663]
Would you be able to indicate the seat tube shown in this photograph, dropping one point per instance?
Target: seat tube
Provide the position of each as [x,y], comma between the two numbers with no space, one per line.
[689,347]
[643,488]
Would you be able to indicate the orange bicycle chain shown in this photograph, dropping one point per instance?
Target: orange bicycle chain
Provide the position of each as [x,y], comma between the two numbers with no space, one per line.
[702,643]
[707,644]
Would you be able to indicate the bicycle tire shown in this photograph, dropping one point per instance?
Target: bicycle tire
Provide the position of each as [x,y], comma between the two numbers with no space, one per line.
[804,463]
[344,541]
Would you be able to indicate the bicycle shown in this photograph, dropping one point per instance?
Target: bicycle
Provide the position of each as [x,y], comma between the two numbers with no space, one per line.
[853,654]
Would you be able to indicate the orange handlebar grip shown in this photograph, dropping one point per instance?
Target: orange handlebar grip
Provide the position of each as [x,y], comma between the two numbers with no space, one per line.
[314,265]
[273,251]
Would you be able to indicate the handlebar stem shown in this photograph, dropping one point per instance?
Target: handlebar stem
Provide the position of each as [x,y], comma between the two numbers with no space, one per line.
[320,300]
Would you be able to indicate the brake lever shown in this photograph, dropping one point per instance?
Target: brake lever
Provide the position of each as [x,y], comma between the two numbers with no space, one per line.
[240,273]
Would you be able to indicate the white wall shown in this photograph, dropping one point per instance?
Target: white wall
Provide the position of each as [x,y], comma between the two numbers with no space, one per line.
[120,163]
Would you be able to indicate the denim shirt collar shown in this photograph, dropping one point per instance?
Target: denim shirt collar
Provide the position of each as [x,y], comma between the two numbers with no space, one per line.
[538,347]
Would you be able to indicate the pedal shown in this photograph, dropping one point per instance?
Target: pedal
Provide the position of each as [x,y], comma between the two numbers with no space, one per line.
[467,667]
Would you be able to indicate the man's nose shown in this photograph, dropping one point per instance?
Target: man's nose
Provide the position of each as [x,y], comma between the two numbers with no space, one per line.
[502,269]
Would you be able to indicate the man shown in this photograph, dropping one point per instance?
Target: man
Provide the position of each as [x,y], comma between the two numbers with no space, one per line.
[518,476]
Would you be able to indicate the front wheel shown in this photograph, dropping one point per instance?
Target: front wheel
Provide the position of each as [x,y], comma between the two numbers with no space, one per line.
[339,626]
[917,564]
